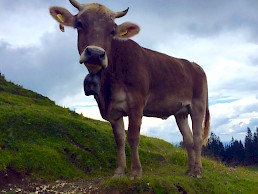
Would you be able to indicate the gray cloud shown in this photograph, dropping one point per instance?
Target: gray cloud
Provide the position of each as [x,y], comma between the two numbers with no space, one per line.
[35,54]
[197,18]
[51,69]
[241,128]
[253,123]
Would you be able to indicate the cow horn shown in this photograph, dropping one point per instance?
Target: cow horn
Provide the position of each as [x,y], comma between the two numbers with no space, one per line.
[76,4]
[121,13]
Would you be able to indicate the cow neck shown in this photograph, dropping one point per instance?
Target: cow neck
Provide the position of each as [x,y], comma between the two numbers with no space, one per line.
[112,57]
[107,77]
[115,58]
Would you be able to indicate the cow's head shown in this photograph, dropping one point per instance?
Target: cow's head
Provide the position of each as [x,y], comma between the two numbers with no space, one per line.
[96,30]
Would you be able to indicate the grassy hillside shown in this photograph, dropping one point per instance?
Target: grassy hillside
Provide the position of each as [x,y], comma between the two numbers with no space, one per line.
[42,141]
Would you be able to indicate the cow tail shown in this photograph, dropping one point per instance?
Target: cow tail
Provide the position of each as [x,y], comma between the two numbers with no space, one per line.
[206,128]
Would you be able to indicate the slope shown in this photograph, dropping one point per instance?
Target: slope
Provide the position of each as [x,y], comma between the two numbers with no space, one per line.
[42,141]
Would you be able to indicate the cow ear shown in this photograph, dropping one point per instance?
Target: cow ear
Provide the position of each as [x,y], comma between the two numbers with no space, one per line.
[62,15]
[127,30]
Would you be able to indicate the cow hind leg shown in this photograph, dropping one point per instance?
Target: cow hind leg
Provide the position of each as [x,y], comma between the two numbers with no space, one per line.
[133,140]
[119,135]
[197,116]
[183,126]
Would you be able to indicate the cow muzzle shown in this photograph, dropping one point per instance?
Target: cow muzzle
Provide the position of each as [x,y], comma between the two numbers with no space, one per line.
[94,58]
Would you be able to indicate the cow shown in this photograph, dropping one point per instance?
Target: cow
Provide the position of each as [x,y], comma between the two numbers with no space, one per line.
[129,80]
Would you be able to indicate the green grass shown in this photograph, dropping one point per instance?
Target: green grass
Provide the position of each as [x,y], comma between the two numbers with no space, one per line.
[167,177]
[43,141]
[46,141]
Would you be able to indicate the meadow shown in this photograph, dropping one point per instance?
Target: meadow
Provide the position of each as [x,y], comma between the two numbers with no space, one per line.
[40,141]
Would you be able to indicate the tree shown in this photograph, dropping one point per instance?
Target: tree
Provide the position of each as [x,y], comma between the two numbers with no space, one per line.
[238,153]
[255,146]
[249,152]
[229,155]
[214,147]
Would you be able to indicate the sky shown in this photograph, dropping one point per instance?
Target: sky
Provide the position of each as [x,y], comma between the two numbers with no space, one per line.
[221,36]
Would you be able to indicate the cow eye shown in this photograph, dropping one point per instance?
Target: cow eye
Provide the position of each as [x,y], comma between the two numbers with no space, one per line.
[78,24]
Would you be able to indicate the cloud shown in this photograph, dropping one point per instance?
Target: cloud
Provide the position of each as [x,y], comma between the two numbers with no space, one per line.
[163,129]
[24,22]
[220,35]
[51,69]
[232,118]
[90,111]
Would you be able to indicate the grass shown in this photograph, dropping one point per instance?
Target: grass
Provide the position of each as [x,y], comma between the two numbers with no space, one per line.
[170,178]
[42,141]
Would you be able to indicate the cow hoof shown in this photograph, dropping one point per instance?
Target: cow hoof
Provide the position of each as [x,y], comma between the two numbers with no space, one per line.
[198,176]
[118,176]
[190,173]
[198,172]
[136,175]
[119,173]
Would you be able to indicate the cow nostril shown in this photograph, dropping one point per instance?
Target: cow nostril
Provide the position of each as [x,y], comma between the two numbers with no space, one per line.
[88,52]
[102,56]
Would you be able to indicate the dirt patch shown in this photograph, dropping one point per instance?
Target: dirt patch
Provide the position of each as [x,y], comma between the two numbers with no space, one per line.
[12,181]
[10,176]
[59,186]
[181,189]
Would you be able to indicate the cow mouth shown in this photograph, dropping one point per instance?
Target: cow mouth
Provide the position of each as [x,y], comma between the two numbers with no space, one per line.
[93,68]
[94,58]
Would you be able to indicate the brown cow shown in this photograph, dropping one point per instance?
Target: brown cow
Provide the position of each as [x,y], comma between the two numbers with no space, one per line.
[134,81]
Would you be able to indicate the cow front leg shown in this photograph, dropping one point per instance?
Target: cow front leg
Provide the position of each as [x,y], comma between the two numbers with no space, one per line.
[133,139]
[119,135]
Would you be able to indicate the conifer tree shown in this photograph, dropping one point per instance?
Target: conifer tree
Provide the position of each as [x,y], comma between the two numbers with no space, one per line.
[249,152]
[214,148]
[255,146]
[234,153]
[228,156]
[238,152]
